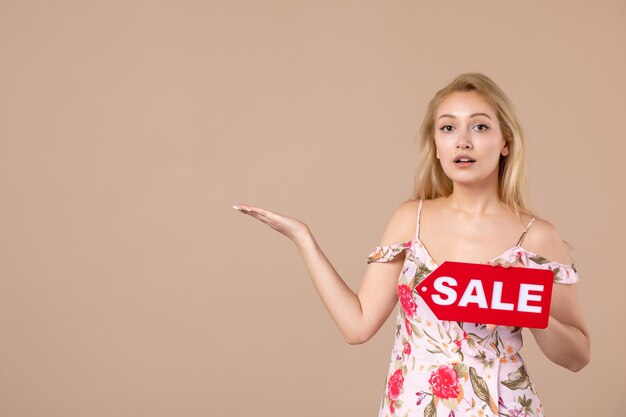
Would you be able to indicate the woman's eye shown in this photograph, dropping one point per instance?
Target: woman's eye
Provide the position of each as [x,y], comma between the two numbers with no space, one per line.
[449,128]
[482,127]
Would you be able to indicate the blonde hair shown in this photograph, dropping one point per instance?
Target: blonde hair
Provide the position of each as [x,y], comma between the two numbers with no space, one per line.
[430,179]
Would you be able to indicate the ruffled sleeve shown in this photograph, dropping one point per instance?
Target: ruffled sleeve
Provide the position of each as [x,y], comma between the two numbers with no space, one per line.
[563,273]
[386,253]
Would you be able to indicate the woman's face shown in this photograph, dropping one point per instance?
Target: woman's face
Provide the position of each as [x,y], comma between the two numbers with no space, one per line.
[465,124]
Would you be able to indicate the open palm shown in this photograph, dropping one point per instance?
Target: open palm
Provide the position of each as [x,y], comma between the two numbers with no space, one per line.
[288,226]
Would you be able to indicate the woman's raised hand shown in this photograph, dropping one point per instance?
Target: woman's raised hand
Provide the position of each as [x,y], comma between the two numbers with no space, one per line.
[288,226]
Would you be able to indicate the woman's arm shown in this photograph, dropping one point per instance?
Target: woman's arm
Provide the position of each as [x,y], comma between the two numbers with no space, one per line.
[566,340]
[358,315]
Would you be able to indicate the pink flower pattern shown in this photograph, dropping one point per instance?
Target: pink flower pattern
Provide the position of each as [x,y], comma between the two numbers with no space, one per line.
[445,382]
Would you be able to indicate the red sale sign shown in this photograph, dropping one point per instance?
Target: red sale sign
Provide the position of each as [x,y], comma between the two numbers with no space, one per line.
[479,293]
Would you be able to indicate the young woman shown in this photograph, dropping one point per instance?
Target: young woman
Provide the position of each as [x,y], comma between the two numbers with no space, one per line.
[468,205]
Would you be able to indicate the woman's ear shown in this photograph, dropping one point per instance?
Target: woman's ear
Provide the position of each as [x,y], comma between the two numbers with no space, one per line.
[505,149]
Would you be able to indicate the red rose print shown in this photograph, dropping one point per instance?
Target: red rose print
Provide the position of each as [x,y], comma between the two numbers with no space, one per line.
[392,407]
[406,300]
[408,327]
[407,348]
[394,386]
[445,382]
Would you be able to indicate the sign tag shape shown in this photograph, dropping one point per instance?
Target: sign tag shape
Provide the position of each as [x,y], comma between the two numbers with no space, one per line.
[486,294]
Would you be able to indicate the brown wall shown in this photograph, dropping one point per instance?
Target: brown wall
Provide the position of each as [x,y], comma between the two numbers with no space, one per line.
[128,129]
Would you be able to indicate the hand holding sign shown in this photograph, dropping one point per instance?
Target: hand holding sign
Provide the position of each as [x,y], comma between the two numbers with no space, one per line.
[504,264]
[478,293]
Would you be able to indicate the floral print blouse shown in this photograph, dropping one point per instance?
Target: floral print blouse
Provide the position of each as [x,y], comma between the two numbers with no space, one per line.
[453,369]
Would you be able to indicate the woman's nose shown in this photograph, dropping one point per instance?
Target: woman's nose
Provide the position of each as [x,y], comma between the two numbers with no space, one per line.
[463,140]
[465,145]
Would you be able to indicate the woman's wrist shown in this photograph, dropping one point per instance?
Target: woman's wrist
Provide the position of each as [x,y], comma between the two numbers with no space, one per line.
[302,237]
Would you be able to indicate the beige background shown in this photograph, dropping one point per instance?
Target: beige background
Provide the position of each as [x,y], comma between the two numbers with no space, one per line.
[128,129]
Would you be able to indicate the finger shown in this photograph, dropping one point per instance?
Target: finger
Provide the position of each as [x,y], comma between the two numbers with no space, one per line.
[500,262]
[507,264]
[491,326]
[241,208]
[245,207]
[258,210]
[260,216]
[252,211]
[264,216]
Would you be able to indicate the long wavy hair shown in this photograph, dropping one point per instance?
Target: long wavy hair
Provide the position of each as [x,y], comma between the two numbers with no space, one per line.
[430,178]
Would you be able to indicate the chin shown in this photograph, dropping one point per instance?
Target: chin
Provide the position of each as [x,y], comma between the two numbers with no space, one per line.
[469,181]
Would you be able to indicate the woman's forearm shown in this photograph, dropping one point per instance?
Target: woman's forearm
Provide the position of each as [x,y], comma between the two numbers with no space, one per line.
[563,344]
[340,301]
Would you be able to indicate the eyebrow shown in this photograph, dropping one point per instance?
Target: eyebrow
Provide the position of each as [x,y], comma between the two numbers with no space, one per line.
[472,115]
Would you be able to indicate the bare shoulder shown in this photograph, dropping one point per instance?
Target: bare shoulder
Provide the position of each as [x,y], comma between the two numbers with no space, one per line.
[544,239]
[401,226]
